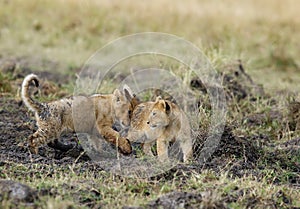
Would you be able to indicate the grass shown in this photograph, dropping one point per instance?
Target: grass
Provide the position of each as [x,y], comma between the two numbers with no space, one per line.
[101,189]
[263,34]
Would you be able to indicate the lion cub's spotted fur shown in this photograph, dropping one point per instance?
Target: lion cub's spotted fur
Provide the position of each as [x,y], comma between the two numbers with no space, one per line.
[80,114]
[161,121]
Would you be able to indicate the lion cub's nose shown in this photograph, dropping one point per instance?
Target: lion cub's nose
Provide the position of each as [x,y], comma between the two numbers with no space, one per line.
[148,122]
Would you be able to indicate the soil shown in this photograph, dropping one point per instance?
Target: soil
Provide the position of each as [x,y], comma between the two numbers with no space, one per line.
[236,154]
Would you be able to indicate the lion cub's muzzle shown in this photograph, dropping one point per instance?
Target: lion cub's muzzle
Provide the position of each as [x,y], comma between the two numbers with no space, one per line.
[152,126]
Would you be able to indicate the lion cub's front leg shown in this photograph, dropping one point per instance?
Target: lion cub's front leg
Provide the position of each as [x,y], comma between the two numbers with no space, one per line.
[114,137]
[162,149]
[147,148]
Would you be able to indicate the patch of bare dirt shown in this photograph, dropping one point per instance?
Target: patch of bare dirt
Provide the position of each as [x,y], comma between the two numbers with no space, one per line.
[235,153]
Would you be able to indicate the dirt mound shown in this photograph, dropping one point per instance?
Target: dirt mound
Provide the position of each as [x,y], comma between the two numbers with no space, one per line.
[236,83]
[240,147]
[240,150]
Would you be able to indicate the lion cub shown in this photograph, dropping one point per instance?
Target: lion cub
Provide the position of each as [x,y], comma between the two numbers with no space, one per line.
[88,114]
[161,121]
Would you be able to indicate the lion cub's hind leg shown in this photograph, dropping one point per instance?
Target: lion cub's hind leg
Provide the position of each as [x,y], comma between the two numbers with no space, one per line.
[187,150]
[185,140]
[48,130]
[35,140]
[38,138]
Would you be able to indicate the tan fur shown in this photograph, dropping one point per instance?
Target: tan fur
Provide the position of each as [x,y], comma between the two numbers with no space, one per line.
[164,122]
[79,113]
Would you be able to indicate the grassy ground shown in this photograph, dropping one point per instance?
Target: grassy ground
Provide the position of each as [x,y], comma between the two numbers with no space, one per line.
[257,165]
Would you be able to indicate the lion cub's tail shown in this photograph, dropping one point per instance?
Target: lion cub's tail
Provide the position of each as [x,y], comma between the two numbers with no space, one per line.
[33,105]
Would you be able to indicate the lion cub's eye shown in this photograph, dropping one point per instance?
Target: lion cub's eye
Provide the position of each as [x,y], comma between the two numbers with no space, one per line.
[153,113]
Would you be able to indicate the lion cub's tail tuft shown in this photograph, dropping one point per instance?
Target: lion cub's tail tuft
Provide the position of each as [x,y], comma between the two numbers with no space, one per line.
[29,102]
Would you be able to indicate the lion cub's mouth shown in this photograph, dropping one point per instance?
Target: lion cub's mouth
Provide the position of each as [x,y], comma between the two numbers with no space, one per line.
[152,126]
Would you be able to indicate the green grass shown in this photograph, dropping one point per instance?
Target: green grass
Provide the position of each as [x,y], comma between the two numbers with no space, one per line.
[107,190]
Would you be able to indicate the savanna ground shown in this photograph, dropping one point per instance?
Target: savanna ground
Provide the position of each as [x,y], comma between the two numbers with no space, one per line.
[257,162]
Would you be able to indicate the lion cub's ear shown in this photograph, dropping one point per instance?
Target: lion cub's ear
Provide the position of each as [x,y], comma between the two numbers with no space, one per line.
[168,108]
[158,98]
[130,96]
[163,104]
[117,94]
[128,92]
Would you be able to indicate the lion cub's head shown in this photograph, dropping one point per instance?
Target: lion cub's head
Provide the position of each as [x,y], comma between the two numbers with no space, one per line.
[160,113]
[123,105]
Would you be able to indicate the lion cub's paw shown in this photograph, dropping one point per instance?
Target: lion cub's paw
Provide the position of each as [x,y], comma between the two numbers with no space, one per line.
[124,146]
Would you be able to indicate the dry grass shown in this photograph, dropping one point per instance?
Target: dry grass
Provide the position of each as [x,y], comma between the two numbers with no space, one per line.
[264,34]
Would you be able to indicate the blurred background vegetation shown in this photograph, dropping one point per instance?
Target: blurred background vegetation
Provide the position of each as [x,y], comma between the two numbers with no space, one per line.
[263,34]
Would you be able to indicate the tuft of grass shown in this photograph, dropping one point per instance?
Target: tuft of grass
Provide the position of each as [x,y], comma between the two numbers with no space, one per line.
[5,85]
